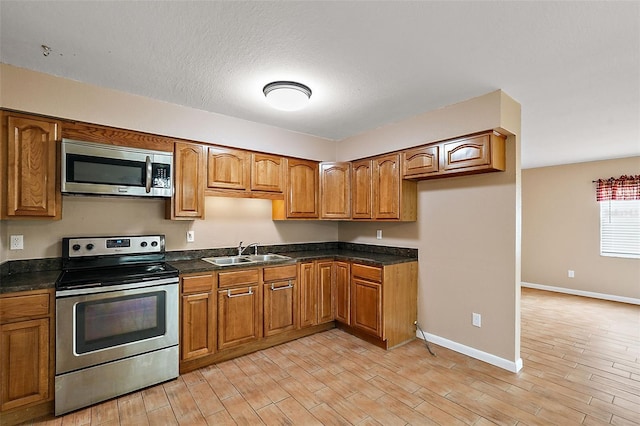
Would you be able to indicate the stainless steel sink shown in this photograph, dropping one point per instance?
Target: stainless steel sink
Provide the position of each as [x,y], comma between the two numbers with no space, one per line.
[240,260]
[267,257]
[228,260]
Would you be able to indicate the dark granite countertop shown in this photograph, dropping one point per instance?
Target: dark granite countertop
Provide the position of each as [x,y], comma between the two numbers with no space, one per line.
[38,274]
[26,281]
[367,258]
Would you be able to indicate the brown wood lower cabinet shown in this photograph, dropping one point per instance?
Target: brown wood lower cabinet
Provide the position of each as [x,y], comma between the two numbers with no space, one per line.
[260,307]
[26,355]
[280,301]
[198,328]
[366,308]
[239,308]
[316,292]
[342,291]
[384,303]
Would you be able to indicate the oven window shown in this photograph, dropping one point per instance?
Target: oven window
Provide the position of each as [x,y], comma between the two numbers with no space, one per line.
[116,321]
[110,171]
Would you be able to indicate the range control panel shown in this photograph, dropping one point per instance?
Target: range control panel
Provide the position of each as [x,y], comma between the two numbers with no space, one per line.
[102,246]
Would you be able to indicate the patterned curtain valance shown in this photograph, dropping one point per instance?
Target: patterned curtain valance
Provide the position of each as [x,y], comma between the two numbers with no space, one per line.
[622,188]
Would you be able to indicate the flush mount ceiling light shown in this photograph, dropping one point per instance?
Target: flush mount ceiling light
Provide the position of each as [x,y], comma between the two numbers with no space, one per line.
[287,95]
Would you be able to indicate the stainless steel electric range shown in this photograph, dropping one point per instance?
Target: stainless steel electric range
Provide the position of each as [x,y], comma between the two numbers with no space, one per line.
[116,319]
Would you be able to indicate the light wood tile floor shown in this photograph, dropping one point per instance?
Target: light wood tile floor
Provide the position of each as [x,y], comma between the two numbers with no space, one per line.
[581,366]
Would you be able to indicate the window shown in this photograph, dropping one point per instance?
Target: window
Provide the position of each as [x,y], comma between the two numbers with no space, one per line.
[619,200]
[620,228]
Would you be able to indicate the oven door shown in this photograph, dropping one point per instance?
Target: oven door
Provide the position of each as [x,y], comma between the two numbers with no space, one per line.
[131,319]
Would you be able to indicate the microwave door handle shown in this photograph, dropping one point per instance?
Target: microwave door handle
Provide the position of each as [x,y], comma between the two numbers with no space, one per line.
[148,175]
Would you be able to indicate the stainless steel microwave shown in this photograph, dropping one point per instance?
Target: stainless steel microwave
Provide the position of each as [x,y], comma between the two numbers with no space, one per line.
[100,169]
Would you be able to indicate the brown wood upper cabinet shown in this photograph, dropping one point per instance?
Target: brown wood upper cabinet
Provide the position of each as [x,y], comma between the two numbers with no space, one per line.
[301,192]
[420,161]
[267,172]
[238,173]
[479,153]
[188,199]
[361,189]
[29,156]
[228,169]
[335,190]
[26,349]
[393,198]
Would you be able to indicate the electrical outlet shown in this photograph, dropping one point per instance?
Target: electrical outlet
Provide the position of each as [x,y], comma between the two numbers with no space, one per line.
[17,242]
[476,320]
[571,273]
[191,236]
[379,234]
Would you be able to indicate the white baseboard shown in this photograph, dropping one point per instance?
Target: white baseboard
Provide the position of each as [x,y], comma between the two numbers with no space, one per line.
[513,366]
[602,296]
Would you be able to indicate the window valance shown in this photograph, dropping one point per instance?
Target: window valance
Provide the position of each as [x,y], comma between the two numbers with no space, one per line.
[622,188]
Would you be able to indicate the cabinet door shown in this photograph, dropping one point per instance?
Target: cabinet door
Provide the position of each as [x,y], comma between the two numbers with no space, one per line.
[420,161]
[267,173]
[228,169]
[198,333]
[24,357]
[386,187]
[366,306]
[302,189]
[239,316]
[188,200]
[307,294]
[342,291]
[335,190]
[361,190]
[279,307]
[325,304]
[198,325]
[468,152]
[32,177]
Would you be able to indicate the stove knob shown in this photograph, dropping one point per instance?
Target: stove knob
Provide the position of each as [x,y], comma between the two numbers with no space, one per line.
[154,243]
[76,247]
[143,244]
[89,246]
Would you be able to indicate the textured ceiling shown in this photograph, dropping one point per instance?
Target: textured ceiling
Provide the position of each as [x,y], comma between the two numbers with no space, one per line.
[573,66]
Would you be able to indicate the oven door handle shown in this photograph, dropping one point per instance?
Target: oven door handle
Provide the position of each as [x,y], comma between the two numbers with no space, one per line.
[148,175]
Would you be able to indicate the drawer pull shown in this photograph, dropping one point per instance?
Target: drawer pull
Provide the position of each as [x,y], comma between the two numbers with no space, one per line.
[273,288]
[240,294]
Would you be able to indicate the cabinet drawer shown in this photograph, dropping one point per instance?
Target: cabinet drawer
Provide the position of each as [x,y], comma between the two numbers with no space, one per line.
[279,273]
[233,278]
[27,306]
[371,273]
[197,283]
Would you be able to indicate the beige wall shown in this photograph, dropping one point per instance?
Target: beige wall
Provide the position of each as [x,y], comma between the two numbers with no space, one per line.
[467,233]
[228,222]
[561,230]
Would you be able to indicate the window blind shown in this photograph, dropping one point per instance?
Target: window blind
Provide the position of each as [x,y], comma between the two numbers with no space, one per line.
[620,228]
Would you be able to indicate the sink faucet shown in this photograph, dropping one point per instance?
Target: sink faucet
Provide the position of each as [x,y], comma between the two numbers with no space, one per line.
[242,249]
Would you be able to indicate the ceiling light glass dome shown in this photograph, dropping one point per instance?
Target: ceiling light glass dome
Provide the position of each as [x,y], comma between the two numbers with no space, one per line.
[287,95]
